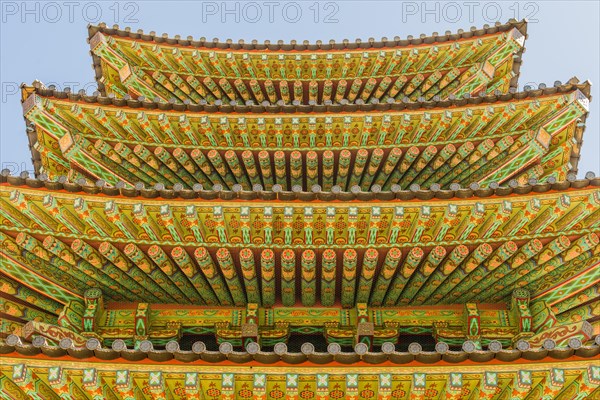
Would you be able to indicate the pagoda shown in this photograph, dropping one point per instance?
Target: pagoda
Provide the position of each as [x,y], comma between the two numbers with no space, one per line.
[364,220]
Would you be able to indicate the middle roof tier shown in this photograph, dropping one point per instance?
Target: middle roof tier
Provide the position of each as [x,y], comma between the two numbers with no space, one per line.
[484,140]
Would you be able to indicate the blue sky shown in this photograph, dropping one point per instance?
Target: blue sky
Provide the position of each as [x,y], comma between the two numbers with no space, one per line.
[47,41]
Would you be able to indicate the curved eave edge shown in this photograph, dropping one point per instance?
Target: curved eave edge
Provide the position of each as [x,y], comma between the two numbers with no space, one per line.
[97,66]
[36,158]
[402,195]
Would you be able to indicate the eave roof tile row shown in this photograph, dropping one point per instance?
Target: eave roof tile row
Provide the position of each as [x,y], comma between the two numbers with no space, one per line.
[212,357]
[305,45]
[97,98]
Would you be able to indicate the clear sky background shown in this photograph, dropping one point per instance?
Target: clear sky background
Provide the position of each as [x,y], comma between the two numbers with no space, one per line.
[47,41]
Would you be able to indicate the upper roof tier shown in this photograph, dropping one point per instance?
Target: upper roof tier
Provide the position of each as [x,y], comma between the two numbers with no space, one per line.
[199,71]
[534,134]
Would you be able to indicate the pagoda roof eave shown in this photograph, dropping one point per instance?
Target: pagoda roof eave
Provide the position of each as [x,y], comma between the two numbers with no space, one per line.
[55,212]
[345,45]
[570,86]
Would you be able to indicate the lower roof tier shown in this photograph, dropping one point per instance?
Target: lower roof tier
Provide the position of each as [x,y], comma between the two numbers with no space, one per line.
[563,379]
[380,253]
[522,136]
